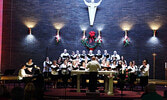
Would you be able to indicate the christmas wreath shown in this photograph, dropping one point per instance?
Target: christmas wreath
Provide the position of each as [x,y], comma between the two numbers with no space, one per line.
[92,41]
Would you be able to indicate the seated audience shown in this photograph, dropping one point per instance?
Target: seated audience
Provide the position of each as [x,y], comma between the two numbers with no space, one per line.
[17,93]
[4,94]
[150,93]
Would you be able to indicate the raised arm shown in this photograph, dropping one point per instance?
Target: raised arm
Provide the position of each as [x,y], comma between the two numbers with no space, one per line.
[86,3]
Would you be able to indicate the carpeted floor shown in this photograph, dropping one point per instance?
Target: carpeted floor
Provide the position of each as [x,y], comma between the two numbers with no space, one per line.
[71,93]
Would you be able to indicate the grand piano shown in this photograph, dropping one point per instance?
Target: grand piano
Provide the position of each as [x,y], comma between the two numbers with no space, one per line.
[108,82]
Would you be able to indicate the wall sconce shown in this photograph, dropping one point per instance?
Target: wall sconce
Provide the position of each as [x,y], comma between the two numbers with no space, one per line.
[154,33]
[58,36]
[83,37]
[99,34]
[99,40]
[29,31]
[126,40]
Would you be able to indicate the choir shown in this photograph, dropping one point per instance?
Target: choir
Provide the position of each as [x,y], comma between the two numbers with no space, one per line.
[77,61]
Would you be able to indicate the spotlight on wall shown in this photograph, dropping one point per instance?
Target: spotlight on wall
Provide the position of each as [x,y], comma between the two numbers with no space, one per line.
[154,25]
[100,27]
[83,27]
[58,25]
[126,26]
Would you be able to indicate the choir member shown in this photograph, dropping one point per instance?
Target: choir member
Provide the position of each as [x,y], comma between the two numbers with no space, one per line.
[131,67]
[132,70]
[108,65]
[83,55]
[74,76]
[83,77]
[65,69]
[106,55]
[29,67]
[64,55]
[73,56]
[78,60]
[77,53]
[123,59]
[115,55]
[99,56]
[59,61]
[114,64]
[83,66]
[66,65]
[103,65]
[22,74]
[124,65]
[90,54]
[75,65]
[55,73]
[47,67]
[120,68]
[144,68]
[134,65]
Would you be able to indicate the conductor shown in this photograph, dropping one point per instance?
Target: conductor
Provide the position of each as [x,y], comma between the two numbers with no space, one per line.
[93,67]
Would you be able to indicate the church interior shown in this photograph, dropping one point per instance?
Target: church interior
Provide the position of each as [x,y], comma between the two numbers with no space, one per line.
[83,49]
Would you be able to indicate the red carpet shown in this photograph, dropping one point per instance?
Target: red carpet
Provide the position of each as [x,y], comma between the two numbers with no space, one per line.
[71,93]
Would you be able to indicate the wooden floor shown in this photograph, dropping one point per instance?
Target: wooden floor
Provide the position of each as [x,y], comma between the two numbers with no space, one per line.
[157,81]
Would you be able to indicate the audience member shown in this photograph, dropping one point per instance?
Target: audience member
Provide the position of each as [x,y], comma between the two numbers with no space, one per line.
[150,93]
[4,94]
[17,93]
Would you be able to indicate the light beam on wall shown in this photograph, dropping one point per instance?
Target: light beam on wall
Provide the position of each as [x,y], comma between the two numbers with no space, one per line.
[58,25]
[155,25]
[126,26]
[30,39]
[83,27]
[30,23]
[100,27]
[153,40]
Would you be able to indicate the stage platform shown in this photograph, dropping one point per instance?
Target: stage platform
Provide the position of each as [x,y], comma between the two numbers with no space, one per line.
[61,93]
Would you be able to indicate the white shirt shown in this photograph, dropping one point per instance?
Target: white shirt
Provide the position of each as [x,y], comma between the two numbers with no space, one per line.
[64,54]
[22,74]
[145,72]
[124,67]
[113,66]
[65,66]
[45,66]
[93,66]
[117,56]
[54,72]
[133,69]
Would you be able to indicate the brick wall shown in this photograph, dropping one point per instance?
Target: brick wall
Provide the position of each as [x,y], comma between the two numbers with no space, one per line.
[73,13]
